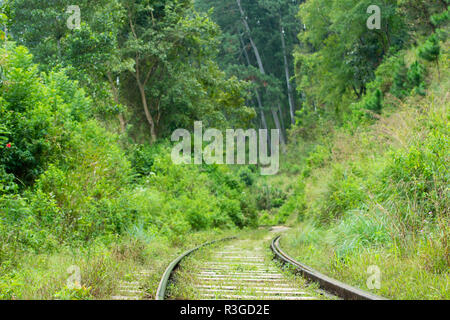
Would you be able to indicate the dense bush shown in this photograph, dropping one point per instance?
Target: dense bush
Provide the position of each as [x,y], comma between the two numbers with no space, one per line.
[380,195]
[65,180]
[38,113]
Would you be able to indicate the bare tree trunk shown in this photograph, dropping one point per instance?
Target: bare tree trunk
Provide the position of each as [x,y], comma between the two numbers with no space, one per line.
[258,97]
[122,122]
[260,64]
[141,84]
[288,78]
[283,127]
[278,125]
[147,112]
[247,29]
[261,110]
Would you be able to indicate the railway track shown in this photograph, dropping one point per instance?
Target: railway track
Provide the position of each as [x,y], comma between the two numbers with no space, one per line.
[241,269]
[332,286]
[244,269]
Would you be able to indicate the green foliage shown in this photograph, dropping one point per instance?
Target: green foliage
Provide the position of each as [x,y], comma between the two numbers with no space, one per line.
[67,183]
[346,71]
[7,184]
[356,231]
[92,172]
[374,102]
[78,185]
[143,158]
[339,54]
[82,293]
[270,197]
[318,157]
[152,65]
[431,49]
[247,175]
[415,76]
[37,114]
[406,80]
[419,174]
[399,86]
[440,19]
[272,30]
[344,192]
[422,15]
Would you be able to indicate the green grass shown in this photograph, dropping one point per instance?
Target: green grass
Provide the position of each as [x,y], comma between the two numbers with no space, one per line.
[404,275]
[102,267]
[378,196]
[183,284]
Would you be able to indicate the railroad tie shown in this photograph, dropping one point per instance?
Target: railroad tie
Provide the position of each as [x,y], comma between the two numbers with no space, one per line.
[241,271]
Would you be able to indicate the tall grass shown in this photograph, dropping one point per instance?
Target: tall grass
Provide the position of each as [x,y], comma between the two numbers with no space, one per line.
[378,195]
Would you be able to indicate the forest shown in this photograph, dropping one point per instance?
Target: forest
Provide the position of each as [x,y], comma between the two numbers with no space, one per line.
[92,91]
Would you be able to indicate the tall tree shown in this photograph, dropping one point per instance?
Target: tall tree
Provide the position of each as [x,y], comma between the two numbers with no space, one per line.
[150,63]
[94,49]
[257,27]
[338,54]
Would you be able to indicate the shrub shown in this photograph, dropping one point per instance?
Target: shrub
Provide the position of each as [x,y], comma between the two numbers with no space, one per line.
[344,192]
[431,49]
[318,157]
[7,184]
[400,82]
[36,114]
[269,197]
[417,175]
[357,231]
[247,176]
[93,171]
[416,76]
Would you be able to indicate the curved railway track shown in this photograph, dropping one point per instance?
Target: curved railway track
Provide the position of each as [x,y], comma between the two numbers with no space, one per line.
[328,284]
[162,288]
[244,270]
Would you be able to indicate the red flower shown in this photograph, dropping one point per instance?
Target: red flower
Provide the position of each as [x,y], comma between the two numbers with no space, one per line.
[8,145]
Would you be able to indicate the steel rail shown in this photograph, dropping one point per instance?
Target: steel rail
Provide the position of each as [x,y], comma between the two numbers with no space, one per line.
[330,285]
[162,288]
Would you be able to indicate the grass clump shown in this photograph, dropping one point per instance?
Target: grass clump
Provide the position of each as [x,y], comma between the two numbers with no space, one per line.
[380,197]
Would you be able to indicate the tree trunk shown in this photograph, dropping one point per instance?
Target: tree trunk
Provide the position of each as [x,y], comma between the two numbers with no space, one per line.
[247,29]
[288,78]
[147,112]
[258,97]
[261,110]
[260,64]
[278,125]
[283,128]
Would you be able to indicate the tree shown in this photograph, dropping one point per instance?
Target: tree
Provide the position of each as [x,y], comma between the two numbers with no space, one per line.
[431,50]
[150,63]
[260,34]
[338,54]
[173,49]
[94,49]
[42,28]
